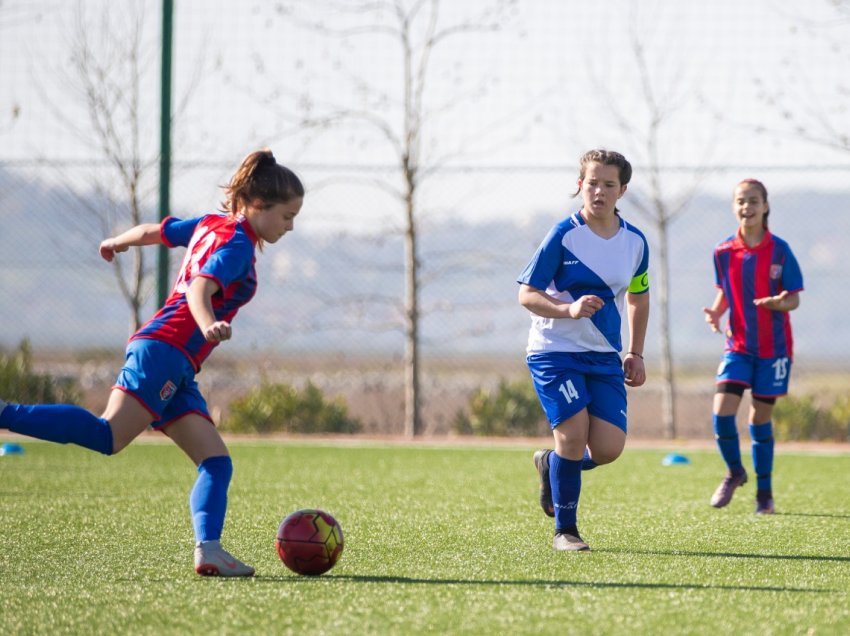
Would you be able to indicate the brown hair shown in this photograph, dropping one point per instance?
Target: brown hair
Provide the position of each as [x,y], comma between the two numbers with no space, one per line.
[760,186]
[606,158]
[261,177]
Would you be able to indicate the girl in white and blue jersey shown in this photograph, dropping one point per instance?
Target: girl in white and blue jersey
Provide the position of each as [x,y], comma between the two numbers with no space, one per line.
[575,287]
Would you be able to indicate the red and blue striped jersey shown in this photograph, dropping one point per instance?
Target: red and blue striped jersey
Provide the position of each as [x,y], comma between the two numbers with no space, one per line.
[745,273]
[219,247]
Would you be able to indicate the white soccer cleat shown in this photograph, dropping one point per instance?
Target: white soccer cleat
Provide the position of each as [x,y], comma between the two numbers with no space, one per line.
[566,542]
[213,560]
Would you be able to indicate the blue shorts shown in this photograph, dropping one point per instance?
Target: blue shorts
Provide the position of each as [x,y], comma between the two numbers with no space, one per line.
[566,383]
[766,377]
[162,378]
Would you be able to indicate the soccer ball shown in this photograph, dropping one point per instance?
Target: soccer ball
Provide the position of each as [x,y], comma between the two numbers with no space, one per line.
[309,541]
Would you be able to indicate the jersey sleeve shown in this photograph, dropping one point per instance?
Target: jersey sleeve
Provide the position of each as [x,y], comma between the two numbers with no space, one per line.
[718,274]
[640,279]
[229,262]
[177,232]
[543,266]
[792,277]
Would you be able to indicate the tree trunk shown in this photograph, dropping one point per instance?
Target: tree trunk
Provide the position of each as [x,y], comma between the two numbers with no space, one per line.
[412,424]
[668,388]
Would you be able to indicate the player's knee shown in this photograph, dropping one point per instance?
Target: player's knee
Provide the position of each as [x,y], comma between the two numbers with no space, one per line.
[605,456]
[570,449]
[99,437]
[762,433]
[117,447]
[221,466]
[123,430]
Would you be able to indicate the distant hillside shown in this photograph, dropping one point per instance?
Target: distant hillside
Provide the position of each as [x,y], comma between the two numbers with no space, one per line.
[343,293]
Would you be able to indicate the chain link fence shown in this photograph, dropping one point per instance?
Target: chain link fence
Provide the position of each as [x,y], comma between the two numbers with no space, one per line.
[329,306]
[82,76]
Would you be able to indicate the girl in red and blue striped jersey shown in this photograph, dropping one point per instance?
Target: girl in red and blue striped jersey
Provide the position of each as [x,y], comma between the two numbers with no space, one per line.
[157,386]
[759,281]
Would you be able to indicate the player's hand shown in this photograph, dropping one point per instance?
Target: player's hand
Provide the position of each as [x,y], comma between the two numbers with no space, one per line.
[772,302]
[585,306]
[218,331]
[108,249]
[712,318]
[634,370]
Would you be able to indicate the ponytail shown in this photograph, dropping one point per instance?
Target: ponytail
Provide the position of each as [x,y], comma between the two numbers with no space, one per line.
[261,177]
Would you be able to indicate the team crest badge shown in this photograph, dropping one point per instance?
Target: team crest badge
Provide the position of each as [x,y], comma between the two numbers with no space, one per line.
[167,391]
[775,272]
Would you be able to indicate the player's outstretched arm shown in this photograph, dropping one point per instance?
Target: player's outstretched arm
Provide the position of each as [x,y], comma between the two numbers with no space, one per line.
[144,234]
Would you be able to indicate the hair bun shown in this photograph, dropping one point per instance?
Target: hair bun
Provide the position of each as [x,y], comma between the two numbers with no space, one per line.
[267,158]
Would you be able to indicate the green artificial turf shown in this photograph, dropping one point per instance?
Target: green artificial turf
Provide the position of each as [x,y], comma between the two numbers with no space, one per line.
[438,539]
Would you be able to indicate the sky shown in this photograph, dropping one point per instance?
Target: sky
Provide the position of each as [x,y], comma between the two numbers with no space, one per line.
[547,50]
[556,78]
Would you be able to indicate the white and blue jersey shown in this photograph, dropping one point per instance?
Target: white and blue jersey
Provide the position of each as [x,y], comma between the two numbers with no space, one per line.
[573,261]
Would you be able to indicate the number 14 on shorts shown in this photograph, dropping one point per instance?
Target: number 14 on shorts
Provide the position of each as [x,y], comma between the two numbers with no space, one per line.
[569,391]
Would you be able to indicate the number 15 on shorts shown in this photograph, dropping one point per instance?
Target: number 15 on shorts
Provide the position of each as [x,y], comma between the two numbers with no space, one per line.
[780,368]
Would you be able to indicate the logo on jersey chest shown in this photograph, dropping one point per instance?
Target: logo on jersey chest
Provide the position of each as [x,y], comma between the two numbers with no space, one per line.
[775,272]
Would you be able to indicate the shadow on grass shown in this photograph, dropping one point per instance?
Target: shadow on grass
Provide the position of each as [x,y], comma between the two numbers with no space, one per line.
[731,555]
[541,583]
[829,515]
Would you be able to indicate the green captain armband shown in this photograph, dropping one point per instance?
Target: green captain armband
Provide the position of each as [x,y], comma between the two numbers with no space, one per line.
[639,284]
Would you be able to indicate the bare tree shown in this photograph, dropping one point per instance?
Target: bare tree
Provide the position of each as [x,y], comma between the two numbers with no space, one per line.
[648,125]
[9,18]
[400,120]
[9,119]
[108,64]
[113,78]
[802,107]
[808,109]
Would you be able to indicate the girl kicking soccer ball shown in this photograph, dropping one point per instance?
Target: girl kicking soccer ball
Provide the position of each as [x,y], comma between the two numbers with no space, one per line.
[157,386]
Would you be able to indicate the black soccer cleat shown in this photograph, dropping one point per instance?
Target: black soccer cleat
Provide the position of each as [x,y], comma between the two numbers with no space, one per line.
[541,463]
[764,503]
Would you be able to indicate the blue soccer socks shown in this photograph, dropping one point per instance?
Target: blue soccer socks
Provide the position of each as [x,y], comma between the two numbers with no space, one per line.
[762,436]
[208,499]
[565,479]
[61,423]
[726,434]
[586,462]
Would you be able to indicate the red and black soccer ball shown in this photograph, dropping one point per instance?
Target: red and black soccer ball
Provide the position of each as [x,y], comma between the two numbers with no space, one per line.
[309,542]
